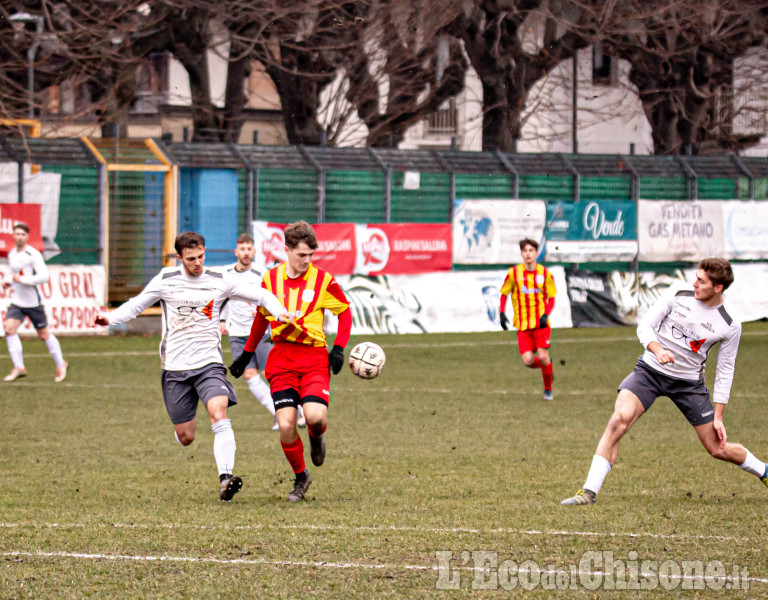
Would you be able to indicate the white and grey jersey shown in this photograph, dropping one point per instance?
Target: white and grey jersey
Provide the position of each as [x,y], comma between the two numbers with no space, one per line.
[190,313]
[689,329]
[30,265]
[239,315]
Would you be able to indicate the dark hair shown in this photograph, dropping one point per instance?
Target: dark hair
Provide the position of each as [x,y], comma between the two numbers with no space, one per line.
[188,239]
[244,238]
[529,242]
[718,270]
[299,232]
[22,226]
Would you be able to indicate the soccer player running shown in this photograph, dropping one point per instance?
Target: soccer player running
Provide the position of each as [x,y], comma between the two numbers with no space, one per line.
[236,319]
[678,333]
[298,368]
[532,289]
[191,297]
[29,271]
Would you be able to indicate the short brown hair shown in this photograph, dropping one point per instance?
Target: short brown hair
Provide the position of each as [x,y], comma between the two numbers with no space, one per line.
[244,238]
[718,270]
[529,242]
[22,226]
[299,232]
[188,240]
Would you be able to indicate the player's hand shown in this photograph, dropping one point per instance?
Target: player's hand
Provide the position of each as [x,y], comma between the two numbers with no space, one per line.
[7,284]
[286,317]
[336,359]
[16,277]
[504,320]
[100,320]
[544,321]
[222,328]
[665,356]
[237,368]
[722,436]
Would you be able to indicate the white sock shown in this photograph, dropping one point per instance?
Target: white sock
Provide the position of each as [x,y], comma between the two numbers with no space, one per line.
[753,465]
[55,349]
[262,392]
[14,349]
[597,473]
[224,446]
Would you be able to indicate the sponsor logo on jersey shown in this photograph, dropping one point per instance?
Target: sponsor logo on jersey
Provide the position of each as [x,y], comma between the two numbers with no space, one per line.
[307,295]
[708,327]
[208,310]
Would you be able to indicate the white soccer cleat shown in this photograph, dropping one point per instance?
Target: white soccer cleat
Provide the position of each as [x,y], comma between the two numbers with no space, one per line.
[61,372]
[15,374]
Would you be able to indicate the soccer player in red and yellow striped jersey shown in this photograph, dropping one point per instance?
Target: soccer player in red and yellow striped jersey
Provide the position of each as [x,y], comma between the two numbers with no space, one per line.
[532,290]
[299,366]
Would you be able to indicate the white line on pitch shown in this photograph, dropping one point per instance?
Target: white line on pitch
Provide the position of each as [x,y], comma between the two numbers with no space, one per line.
[386,529]
[345,565]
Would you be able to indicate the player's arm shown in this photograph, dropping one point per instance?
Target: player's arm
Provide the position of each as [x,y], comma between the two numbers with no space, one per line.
[550,291]
[726,364]
[649,324]
[133,307]
[258,327]
[336,355]
[506,289]
[223,316]
[39,272]
[258,295]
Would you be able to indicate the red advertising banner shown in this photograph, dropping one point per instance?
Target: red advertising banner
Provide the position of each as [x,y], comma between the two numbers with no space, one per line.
[10,214]
[346,248]
[403,248]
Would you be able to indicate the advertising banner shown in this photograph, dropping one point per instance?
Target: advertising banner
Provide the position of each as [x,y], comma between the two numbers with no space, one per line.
[593,303]
[746,229]
[346,248]
[10,214]
[402,249]
[591,231]
[679,230]
[72,296]
[436,302]
[489,231]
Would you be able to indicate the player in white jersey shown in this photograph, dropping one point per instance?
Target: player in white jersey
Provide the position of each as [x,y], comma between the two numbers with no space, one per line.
[678,332]
[29,271]
[236,320]
[191,297]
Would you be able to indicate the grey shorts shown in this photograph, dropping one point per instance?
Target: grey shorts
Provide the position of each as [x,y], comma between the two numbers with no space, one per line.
[36,315]
[181,390]
[691,397]
[259,360]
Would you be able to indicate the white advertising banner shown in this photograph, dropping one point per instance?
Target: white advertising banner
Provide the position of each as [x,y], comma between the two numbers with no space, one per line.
[746,229]
[436,302]
[72,296]
[489,231]
[679,230]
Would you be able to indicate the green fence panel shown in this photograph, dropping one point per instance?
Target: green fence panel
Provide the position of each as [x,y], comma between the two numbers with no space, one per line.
[482,186]
[428,204]
[77,234]
[354,197]
[660,188]
[605,188]
[287,195]
[761,188]
[716,189]
[545,187]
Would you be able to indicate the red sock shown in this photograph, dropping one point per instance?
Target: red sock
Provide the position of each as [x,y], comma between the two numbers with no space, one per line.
[319,434]
[294,452]
[536,363]
[546,374]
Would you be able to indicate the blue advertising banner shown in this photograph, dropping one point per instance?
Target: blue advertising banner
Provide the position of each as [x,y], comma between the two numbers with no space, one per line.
[591,231]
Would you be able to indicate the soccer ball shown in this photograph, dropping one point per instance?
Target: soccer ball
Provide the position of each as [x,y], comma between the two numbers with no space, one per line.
[367,360]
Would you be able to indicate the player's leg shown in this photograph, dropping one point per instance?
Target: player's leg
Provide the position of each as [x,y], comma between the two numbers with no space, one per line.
[731,452]
[40,322]
[286,407]
[627,410]
[547,374]
[217,393]
[12,339]
[180,400]
[256,384]
[315,397]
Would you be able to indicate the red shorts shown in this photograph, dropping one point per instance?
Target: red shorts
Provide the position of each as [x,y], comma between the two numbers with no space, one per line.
[530,339]
[299,367]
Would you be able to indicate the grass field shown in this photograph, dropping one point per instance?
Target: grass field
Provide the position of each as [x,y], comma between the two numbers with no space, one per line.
[451,450]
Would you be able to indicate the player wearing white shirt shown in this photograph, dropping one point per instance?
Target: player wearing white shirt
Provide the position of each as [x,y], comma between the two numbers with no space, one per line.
[678,333]
[191,298]
[236,320]
[29,271]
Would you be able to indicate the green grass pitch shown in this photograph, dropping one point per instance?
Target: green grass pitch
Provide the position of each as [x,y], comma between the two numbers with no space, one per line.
[450,450]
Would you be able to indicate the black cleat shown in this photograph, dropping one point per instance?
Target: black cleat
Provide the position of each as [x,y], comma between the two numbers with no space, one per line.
[317,453]
[300,487]
[229,487]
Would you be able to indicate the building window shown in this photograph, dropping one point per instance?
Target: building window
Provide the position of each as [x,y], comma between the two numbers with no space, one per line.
[602,66]
[444,121]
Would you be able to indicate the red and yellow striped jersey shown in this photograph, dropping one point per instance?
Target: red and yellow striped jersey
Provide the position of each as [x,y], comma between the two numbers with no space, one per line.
[531,292]
[307,296]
